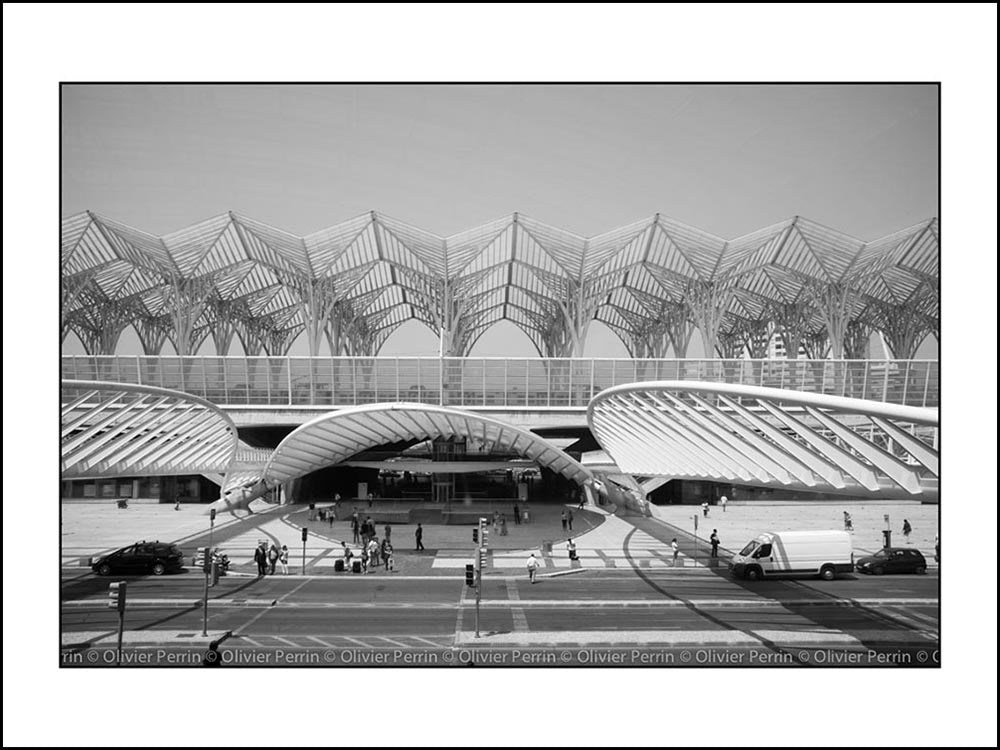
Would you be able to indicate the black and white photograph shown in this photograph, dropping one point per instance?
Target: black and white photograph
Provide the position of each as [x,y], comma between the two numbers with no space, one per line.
[601,388]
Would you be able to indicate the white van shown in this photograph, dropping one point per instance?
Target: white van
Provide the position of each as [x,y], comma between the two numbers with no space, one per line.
[822,553]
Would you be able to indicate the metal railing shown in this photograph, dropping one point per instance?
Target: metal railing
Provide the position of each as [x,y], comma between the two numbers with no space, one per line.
[482,382]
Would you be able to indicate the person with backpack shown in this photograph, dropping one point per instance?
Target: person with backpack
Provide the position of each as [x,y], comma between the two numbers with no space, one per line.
[714,540]
[907,529]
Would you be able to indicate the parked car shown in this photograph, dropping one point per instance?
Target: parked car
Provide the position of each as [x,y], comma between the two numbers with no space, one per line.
[139,559]
[893,560]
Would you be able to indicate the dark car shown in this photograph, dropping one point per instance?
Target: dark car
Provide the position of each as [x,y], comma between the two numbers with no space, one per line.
[893,560]
[139,559]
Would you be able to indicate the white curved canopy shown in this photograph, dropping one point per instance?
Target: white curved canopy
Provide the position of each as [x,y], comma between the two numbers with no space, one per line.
[767,436]
[115,429]
[337,436]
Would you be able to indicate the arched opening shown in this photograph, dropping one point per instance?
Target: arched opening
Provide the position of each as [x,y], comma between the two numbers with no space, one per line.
[503,339]
[72,344]
[602,341]
[414,338]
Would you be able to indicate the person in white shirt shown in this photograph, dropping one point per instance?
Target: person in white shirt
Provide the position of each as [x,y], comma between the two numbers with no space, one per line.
[571,548]
[722,502]
[676,550]
[533,564]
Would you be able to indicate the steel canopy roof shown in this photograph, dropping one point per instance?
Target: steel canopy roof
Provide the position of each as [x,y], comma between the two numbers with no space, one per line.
[335,437]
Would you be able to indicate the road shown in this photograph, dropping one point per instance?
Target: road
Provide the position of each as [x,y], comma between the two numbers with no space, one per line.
[592,617]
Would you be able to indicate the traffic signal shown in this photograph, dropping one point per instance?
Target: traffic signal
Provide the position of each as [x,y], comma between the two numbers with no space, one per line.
[482,558]
[117,592]
[475,535]
[486,537]
[205,558]
[199,557]
[305,533]
[470,575]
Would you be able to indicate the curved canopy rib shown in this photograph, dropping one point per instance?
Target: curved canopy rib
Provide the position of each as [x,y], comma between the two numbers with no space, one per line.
[116,429]
[768,437]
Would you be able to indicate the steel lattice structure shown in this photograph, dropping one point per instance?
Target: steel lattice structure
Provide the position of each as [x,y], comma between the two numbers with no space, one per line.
[768,437]
[652,282]
[115,429]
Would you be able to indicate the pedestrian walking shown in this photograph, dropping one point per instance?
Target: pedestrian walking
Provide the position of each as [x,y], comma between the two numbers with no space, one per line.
[532,564]
[848,522]
[503,524]
[676,551]
[906,531]
[177,503]
[260,557]
[571,548]
[704,509]
[562,517]
[419,534]
[714,540]
[283,559]
[388,532]
[722,502]
[569,519]
[517,514]
[386,552]
[347,556]
[272,558]
[373,550]
[356,528]
[331,515]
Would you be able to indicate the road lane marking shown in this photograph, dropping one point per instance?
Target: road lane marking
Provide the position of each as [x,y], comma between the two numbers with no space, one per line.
[394,643]
[265,610]
[516,612]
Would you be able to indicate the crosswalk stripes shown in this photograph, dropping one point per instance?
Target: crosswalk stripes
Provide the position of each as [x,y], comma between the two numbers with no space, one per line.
[644,558]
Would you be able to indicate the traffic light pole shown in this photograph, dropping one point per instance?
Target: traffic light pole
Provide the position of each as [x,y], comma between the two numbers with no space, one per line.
[479,591]
[305,535]
[121,633]
[118,593]
[204,613]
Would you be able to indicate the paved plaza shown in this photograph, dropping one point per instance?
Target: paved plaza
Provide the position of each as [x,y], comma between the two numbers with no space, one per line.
[604,541]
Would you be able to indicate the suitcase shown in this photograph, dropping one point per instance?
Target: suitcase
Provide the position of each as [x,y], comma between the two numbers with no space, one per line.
[338,565]
[356,566]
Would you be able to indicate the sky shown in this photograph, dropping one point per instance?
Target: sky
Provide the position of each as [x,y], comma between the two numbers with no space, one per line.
[862,159]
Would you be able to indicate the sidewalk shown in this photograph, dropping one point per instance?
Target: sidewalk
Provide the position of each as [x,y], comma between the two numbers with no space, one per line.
[738,524]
